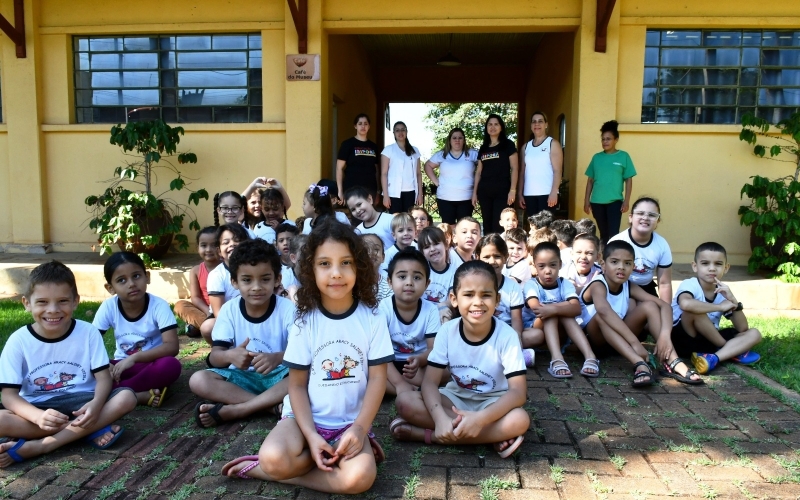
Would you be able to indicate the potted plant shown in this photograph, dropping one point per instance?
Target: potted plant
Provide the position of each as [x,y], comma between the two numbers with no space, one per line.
[128,213]
[774,203]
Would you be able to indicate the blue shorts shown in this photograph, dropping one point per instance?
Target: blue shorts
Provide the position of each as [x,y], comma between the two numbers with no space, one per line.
[250,380]
[70,402]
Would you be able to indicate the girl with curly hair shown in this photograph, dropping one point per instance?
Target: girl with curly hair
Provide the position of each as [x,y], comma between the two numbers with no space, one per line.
[337,354]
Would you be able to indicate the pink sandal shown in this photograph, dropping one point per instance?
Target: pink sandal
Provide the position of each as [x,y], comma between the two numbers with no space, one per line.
[236,461]
[512,447]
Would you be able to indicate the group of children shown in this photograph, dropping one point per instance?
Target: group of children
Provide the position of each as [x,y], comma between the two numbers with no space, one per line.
[315,326]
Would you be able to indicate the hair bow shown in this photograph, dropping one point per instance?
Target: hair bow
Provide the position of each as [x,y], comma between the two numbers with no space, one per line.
[323,190]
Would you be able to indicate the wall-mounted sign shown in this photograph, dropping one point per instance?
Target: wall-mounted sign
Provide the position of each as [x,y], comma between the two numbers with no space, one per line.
[301,67]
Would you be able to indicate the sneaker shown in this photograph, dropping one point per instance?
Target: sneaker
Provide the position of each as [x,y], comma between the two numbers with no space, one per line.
[747,358]
[530,357]
[704,362]
[192,332]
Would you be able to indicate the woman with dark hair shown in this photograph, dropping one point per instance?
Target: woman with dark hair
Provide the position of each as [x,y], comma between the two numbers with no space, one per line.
[496,175]
[540,168]
[401,176]
[607,172]
[357,162]
[456,179]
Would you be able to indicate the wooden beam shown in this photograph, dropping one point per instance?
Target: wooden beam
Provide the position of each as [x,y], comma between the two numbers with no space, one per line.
[604,10]
[299,13]
[17,32]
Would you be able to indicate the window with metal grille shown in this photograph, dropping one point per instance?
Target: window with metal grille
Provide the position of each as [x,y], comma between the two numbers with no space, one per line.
[179,78]
[705,76]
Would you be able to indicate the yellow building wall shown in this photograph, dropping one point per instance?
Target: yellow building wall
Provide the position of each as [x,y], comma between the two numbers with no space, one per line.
[6,228]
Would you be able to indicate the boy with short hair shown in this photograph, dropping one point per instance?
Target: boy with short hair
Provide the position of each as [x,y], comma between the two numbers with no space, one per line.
[517,266]
[375,249]
[413,322]
[54,375]
[465,237]
[541,220]
[586,226]
[284,234]
[359,201]
[508,220]
[289,280]
[249,339]
[565,234]
[696,310]
[536,237]
[404,229]
[196,310]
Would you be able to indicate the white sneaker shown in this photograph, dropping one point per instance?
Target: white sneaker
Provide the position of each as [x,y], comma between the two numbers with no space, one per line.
[530,357]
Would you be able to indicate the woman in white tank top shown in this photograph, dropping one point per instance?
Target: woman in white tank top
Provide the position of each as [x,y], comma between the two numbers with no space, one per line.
[540,169]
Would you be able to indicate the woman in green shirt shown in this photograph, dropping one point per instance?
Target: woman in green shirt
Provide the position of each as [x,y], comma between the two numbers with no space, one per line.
[607,173]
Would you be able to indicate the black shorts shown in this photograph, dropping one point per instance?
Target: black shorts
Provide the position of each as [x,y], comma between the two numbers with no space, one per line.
[685,344]
[650,288]
[399,365]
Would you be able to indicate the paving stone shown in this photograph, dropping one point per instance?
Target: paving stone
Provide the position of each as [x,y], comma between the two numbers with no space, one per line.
[432,483]
[637,427]
[673,435]
[467,476]
[768,490]
[304,495]
[577,429]
[75,477]
[600,467]
[465,492]
[591,448]
[677,457]
[635,464]
[554,432]
[34,479]
[387,488]
[577,486]
[753,429]
[232,485]
[52,492]
[546,450]
[722,489]
[677,479]
[534,473]
[719,452]
[767,467]
[768,448]
[724,473]
[633,443]
[449,460]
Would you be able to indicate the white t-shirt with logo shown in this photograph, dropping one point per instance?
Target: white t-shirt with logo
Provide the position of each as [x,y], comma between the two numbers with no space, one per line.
[389,253]
[266,233]
[219,283]
[478,367]
[570,272]
[438,291]
[456,175]
[618,301]
[267,333]
[340,216]
[510,299]
[692,287]
[382,229]
[135,334]
[648,257]
[520,272]
[410,339]
[337,351]
[562,292]
[43,368]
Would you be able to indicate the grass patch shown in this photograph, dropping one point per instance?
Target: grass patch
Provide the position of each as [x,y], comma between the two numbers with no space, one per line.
[493,484]
[557,474]
[618,461]
[410,489]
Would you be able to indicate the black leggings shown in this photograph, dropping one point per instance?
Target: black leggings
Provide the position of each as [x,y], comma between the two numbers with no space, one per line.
[535,204]
[608,217]
[491,206]
[453,211]
[404,203]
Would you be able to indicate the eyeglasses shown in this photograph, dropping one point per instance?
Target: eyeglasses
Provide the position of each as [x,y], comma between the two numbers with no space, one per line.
[401,130]
[229,210]
[649,215]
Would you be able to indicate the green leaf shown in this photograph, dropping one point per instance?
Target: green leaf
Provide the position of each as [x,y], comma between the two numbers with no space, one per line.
[177,184]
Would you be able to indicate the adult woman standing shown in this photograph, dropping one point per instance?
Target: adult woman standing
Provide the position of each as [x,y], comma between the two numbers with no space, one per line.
[540,168]
[357,161]
[401,175]
[456,179]
[607,172]
[496,175]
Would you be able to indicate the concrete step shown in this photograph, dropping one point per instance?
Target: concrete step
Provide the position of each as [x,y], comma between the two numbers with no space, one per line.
[760,295]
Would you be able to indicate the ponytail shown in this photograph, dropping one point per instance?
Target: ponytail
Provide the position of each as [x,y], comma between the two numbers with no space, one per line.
[216,210]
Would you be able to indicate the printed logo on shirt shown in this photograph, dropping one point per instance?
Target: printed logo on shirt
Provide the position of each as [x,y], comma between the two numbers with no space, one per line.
[472,378]
[501,307]
[131,343]
[331,373]
[490,156]
[642,266]
[363,152]
[260,347]
[435,293]
[56,376]
[341,360]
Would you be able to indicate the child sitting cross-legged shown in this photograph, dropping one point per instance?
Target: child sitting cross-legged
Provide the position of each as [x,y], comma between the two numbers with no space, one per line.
[696,310]
[248,342]
[483,401]
[555,304]
[54,375]
[493,250]
[197,310]
[413,322]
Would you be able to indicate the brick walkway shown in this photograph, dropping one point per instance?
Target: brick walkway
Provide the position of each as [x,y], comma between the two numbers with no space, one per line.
[588,439]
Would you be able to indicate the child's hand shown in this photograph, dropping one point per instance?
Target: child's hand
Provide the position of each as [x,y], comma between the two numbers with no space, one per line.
[274,183]
[445,315]
[624,207]
[544,312]
[470,424]
[323,454]
[726,306]
[117,369]
[259,182]
[663,348]
[240,357]
[52,421]
[266,362]
[444,429]
[351,442]
[725,291]
[86,416]
[411,367]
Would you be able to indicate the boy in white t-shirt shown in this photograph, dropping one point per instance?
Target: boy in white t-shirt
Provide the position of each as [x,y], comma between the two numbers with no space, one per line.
[220,289]
[412,322]
[54,375]
[404,229]
[249,340]
[517,266]
[284,234]
[359,201]
[508,221]
[465,237]
[696,310]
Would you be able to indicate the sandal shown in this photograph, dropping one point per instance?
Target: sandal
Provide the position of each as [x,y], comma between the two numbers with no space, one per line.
[242,473]
[213,413]
[277,410]
[377,451]
[668,370]
[511,448]
[102,432]
[559,365]
[642,373]
[160,397]
[591,364]
[12,452]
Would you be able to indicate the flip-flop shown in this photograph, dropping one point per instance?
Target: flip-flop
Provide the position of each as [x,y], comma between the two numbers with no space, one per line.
[591,364]
[647,372]
[377,451]
[512,447]
[160,397]
[213,413]
[558,365]
[12,452]
[100,432]
[668,370]
[236,461]
[396,423]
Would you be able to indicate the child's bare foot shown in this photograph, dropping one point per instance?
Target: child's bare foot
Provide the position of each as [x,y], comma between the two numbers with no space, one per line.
[507,447]
[106,438]
[245,468]
[9,447]
[150,398]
